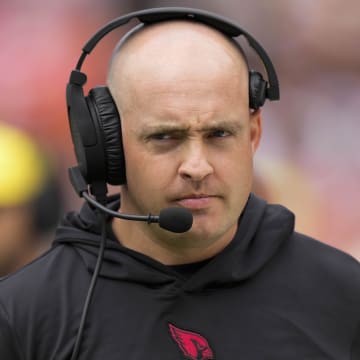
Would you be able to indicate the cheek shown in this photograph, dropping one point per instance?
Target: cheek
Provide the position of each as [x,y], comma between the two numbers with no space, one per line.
[236,162]
[147,171]
[236,171]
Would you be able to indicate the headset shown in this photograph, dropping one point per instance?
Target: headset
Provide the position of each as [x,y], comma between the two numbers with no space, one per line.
[95,127]
[95,123]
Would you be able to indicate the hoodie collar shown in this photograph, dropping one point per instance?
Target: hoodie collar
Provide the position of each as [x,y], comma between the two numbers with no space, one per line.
[261,231]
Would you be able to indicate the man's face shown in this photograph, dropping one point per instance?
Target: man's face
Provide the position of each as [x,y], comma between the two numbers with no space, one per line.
[190,144]
[188,135]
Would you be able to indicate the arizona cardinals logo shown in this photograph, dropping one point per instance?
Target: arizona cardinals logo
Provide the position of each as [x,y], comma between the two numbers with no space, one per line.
[192,345]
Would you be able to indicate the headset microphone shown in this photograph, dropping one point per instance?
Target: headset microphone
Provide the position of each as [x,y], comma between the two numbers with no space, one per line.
[174,219]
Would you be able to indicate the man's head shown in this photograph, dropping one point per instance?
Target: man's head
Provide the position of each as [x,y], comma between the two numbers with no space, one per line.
[189,137]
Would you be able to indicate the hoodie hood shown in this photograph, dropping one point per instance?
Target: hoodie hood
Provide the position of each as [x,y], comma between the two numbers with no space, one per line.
[262,229]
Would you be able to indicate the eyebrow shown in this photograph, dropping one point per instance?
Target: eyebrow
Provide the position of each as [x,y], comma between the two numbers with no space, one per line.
[174,127]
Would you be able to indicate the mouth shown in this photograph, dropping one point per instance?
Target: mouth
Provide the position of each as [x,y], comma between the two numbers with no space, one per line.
[196,201]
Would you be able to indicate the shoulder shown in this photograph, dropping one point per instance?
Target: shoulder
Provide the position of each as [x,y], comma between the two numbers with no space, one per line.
[323,264]
[323,254]
[46,269]
[40,284]
[36,301]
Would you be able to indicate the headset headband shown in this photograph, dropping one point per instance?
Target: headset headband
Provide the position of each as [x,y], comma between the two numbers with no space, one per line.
[155,15]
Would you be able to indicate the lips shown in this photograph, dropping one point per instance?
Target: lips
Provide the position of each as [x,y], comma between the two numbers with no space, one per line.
[196,201]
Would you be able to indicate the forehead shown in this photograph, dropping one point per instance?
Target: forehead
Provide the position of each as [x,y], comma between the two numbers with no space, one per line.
[188,106]
[187,99]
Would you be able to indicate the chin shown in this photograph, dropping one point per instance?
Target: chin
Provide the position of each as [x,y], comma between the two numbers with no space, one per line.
[205,231]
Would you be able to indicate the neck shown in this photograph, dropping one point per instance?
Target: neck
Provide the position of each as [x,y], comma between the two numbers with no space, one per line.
[166,247]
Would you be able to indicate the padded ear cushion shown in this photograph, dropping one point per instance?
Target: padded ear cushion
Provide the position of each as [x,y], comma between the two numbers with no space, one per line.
[257,90]
[108,120]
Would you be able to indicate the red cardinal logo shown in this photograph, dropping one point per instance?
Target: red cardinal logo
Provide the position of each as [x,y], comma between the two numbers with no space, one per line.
[192,345]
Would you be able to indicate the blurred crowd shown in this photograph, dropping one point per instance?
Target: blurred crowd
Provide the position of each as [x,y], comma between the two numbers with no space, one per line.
[31,200]
[309,159]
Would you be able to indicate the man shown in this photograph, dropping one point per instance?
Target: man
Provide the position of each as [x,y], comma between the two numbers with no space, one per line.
[30,199]
[239,284]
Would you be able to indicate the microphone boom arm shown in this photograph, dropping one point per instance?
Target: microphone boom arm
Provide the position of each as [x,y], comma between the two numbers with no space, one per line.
[148,218]
[174,219]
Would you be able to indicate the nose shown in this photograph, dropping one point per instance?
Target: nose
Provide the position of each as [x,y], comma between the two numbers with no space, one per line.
[195,165]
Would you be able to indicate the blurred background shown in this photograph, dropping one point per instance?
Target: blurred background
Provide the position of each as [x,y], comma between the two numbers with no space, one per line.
[309,158]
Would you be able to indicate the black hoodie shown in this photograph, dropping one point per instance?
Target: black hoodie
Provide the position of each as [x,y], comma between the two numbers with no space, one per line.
[270,294]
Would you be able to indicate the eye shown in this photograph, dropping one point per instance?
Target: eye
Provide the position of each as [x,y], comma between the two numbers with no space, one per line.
[161,136]
[219,133]
[164,140]
[166,135]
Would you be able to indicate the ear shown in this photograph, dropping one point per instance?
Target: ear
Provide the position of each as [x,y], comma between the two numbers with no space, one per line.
[255,129]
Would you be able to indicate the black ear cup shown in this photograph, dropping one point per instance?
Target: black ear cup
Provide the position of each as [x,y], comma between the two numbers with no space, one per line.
[105,114]
[89,152]
[257,90]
